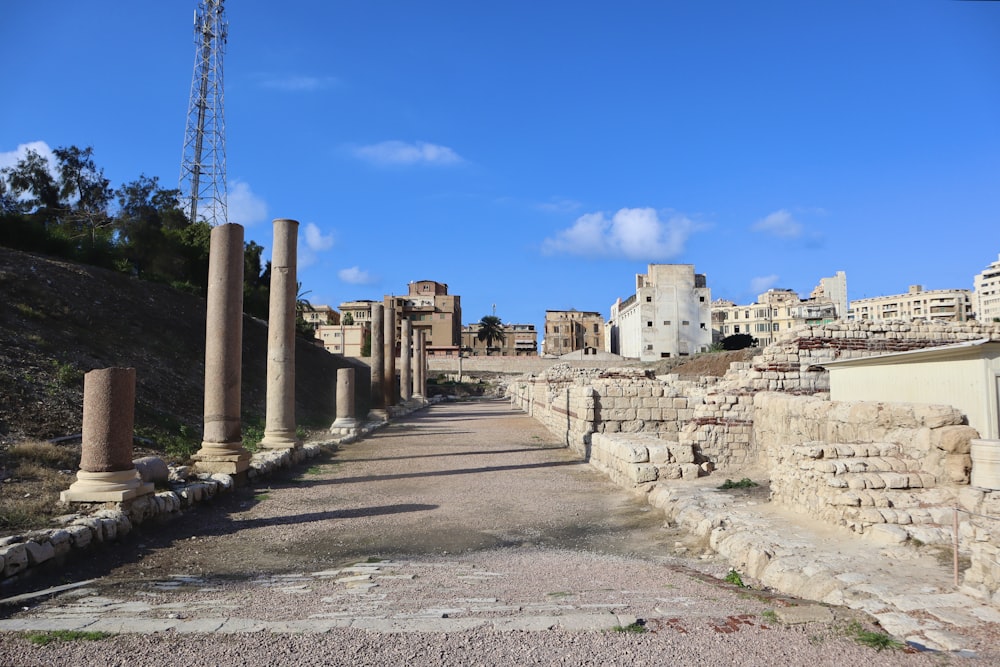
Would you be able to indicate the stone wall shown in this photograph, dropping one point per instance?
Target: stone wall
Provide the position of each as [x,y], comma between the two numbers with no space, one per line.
[519,365]
[866,465]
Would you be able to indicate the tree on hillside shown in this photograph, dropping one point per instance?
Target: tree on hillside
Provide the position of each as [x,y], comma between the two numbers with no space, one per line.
[738,342]
[490,331]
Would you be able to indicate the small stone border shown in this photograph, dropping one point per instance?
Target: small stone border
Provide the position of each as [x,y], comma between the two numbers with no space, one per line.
[96,523]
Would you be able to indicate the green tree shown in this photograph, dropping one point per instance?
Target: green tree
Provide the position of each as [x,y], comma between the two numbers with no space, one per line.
[490,331]
[738,342]
[348,319]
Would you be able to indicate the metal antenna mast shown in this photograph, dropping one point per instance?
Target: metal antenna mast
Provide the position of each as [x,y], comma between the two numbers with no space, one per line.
[203,164]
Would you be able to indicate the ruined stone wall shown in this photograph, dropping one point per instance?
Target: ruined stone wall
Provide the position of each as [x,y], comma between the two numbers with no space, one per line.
[897,467]
[636,461]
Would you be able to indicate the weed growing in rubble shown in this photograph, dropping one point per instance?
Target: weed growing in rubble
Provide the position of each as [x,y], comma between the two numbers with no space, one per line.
[770,616]
[875,640]
[636,628]
[745,483]
[733,577]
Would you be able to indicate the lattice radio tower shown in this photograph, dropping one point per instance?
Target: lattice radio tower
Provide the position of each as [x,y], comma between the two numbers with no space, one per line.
[203,164]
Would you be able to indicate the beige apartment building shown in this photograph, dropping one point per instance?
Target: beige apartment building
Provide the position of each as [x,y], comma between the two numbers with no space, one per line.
[520,340]
[321,315]
[986,287]
[947,305]
[348,340]
[432,310]
[668,316]
[571,330]
[779,310]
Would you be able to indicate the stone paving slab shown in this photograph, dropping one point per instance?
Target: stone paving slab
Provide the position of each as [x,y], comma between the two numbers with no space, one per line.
[800,614]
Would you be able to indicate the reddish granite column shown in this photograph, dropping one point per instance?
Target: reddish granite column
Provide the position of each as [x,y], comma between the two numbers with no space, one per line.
[222,444]
[377,362]
[389,370]
[106,469]
[279,421]
[405,360]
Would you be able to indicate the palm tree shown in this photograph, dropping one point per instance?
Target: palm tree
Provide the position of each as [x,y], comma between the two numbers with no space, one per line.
[490,331]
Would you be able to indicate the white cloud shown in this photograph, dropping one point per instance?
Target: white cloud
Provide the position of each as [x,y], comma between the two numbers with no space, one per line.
[356,276]
[407,153]
[633,233]
[298,83]
[781,224]
[312,241]
[10,158]
[244,206]
[761,284]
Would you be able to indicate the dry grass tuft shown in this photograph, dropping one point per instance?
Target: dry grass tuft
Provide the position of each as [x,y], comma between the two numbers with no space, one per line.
[32,474]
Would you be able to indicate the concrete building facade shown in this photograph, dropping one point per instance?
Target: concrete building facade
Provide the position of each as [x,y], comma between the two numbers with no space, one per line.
[345,339]
[986,286]
[432,310]
[668,316]
[520,340]
[940,305]
[571,330]
[318,315]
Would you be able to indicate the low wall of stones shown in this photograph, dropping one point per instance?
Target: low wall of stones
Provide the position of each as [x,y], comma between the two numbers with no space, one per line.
[98,523]
[637,461]
[894,467]
[518,365]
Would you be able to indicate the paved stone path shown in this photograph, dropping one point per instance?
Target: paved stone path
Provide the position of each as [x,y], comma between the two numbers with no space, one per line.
[469,516]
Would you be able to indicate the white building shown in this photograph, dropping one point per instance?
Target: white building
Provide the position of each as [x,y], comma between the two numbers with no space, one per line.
[986,297]
[668,316]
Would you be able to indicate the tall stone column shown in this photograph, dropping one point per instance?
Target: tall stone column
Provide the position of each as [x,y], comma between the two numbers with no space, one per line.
[405,360]
[420,355]
[222,444]
[279,421]
[107,473]
[377,411]
[345,422]
[389,369]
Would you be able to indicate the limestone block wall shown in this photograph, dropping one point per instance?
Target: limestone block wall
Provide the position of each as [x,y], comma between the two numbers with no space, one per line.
[864,464]
[980,530]
[636,461]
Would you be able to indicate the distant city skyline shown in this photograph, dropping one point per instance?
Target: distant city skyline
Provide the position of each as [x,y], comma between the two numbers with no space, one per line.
[539,157]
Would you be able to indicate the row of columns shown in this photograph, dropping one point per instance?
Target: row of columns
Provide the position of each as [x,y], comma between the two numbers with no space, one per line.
[107,472]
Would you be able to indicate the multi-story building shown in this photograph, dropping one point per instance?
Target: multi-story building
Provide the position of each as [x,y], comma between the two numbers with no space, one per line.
[948,305]
[779,310]
[318,315]
[987,293]
[349,340]
[357,312]
[432,310]
[668,316]
[519,340]
[571,330]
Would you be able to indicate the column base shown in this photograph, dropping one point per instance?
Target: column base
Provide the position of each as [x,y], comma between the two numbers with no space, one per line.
[102,487]
[280,440]
[378,415]
[345,426]
[216,457]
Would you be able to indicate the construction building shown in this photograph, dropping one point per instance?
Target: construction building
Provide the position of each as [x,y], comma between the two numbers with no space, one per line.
[572,330]
[668,316]
[432,310]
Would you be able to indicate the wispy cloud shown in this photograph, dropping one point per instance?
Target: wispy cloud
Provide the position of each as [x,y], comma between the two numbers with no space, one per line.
[632,233]
[407,153]
[244,206]
[356,276]
[312,242]
[297,83]
[761,284]
[781,224]
[559,205]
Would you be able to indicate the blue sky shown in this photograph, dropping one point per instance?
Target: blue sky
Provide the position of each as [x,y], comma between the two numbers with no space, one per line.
[537,155]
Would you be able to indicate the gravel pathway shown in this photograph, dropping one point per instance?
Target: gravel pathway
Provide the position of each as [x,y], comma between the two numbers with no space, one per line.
[462,535]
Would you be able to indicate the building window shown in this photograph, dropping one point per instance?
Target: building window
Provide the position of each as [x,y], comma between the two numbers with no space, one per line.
[649,299]
[649,324]
[736,329]
[702,299]
[684,323]
[649,347]
[702,326]
[666,323]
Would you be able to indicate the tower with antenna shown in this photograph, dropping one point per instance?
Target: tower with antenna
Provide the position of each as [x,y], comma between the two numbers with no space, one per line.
[203,163]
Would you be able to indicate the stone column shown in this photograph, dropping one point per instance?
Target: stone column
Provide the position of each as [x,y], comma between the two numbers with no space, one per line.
[222,444]
[419,376]
[377,411]
[345,423]
[405,360]
[389,369]
[107,473]
[279,421]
